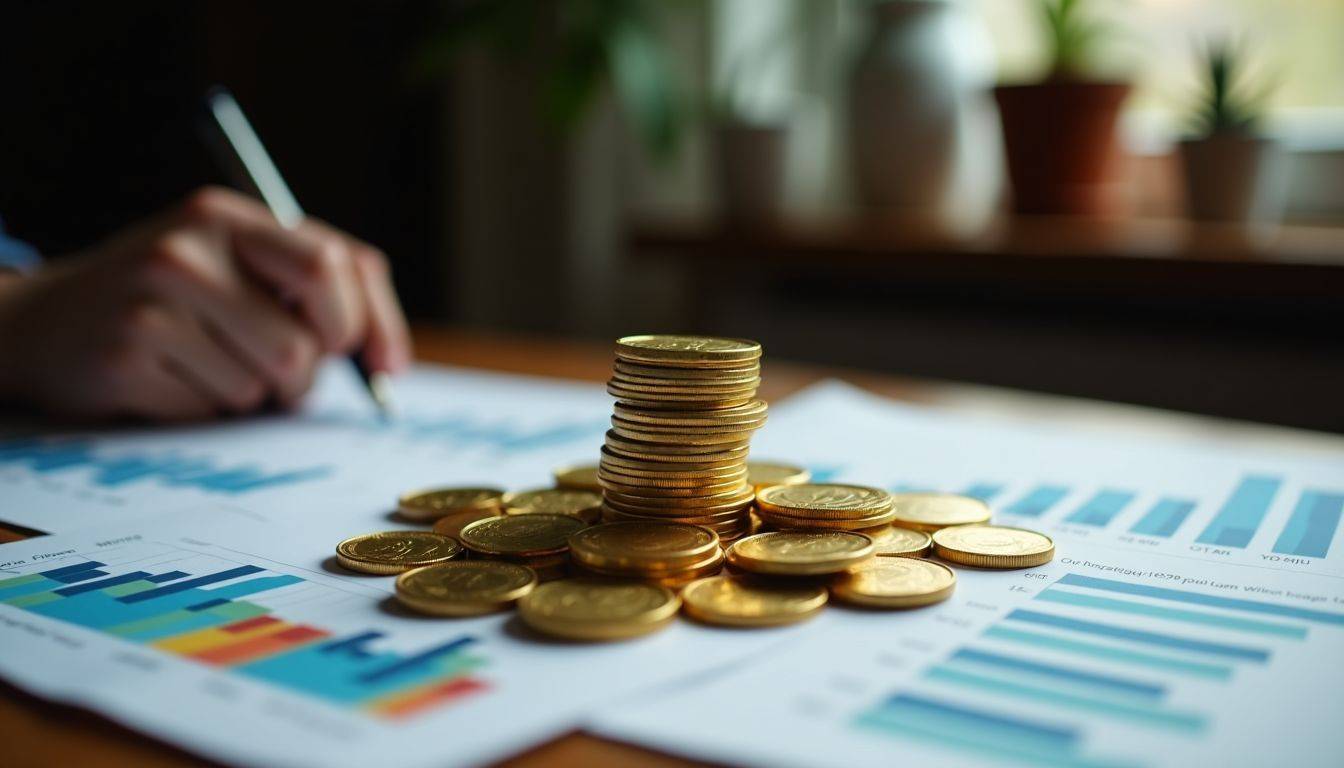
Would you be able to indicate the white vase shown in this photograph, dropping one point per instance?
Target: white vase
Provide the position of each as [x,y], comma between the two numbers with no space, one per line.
[922,128]
[1234,178]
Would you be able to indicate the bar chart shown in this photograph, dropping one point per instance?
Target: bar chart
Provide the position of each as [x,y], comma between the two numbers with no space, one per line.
[216,613]
[1233,518]
[1090,653]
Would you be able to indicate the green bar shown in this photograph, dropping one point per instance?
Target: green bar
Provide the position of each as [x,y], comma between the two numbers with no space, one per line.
[1175,614]
[951,735]
[237,610]
[129,588]
[18,581]
[1186,721]
[37,598]
[1036,640]
[152,622]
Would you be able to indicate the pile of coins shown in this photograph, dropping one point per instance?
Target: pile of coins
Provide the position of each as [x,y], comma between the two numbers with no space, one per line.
[690,525]
[685,412]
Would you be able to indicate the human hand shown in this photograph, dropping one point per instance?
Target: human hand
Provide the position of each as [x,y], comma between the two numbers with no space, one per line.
[209,308]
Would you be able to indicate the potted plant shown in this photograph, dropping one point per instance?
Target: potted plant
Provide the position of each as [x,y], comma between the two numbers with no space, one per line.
[1060,134]
[1231,170]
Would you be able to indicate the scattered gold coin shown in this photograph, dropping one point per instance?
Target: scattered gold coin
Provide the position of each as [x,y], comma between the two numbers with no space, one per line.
[392,552]
[931,511]
[580,477]
[824,500]
[453,523]
[732,602]
[521,535]
[592,609]
[585,505]
[902,542]
[800,553]
[465,587]
[993,546]
[765,474]
[430,505]
[643,545]
[895,582]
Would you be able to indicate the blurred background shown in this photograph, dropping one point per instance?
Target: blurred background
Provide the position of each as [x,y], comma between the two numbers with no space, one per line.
[1138,200]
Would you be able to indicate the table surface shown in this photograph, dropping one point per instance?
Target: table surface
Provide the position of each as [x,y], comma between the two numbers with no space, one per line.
[40,733]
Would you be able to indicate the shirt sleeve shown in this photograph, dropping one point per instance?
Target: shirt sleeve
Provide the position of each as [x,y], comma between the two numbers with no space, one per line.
[17,255]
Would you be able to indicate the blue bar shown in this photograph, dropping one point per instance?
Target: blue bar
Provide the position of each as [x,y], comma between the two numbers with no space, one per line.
[207,605]
[1053,595]
[983,491]
[253,586]
[1164,518]
[1062,673]
[78,576]
[1198,598]
[1137,636]
[352,646]
[182,586]
[90,586]
[1102,508]
[1109,653]
[56,573]
[1040,499]
[1312,526]
[1061,737]
[1235,523]
[419,659]
[169,576]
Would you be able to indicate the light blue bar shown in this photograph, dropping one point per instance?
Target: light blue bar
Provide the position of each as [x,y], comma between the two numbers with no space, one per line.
[1108,653]
[1038,501]
[1199,598]
[1240,515]
[1164,518]
[1182,721]
[1160,639]
[929,730]
[1102,508]
[1312,526]
[1173,614]
[983,491]
[1055,738]
[1105,683]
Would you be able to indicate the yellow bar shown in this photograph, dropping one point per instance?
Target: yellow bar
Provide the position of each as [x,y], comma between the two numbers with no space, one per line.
[214,637]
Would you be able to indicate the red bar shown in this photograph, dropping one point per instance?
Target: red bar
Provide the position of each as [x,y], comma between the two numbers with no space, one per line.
[418,701]
[254,648]
[246,624]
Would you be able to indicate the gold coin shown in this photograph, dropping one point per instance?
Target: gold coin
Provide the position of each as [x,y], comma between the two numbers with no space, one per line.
[672,578]
[686,386]
[687,429]
[430,505]
[678,404]
[580,477]
[732,602]
[895,582]
[642,545]
[796,523]
[734,498]
[592,609]
[902,542]
[766,474]
[644,449]
[714,521]
[824,500]
[395,551]
[993,546]
[746,379]
[800,553]
[585,505]
[721,490]
[749,369]
[750,412]
[521,535]
[682,438]
[931,511]
[628,476]
[464,588]
[670,350]
[453,523]
[671,463]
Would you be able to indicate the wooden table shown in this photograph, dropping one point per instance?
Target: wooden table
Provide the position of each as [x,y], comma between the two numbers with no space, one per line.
[38,733]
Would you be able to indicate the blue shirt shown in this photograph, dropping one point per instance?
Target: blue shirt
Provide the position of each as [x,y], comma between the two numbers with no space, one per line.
[16,254]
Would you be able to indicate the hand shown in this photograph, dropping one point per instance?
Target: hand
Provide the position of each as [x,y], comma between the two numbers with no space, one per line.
[210,308]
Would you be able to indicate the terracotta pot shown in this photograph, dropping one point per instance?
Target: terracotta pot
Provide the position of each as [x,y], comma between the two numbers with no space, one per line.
[751,171]
[1062,146]
[1233,178]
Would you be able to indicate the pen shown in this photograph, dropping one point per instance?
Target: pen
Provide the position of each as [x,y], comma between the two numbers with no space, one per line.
[252,168]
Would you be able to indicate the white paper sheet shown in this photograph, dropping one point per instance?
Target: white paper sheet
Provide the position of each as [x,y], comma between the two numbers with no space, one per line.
[1132,648]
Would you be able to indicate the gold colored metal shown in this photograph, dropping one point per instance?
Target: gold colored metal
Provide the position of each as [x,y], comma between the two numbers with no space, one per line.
[733,602]
[800,553]
[465,588]
[993,546]
[579,477]
[930,511]
[598,609]
[521,535]
[431,504]
[392,552]
[895,582]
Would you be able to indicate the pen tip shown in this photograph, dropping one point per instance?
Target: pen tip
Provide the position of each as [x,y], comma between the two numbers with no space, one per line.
[380,387]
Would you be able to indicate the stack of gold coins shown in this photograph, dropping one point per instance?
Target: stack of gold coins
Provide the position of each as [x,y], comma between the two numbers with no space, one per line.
[539,541]
[685,412]
[666,554]
[824,505]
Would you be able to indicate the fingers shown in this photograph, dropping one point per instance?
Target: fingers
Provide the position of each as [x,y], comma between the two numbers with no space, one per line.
[135,379]
[208,365]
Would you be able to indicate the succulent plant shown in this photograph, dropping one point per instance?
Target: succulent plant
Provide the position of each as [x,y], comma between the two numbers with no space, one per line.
[1225,106]
[1073,36]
